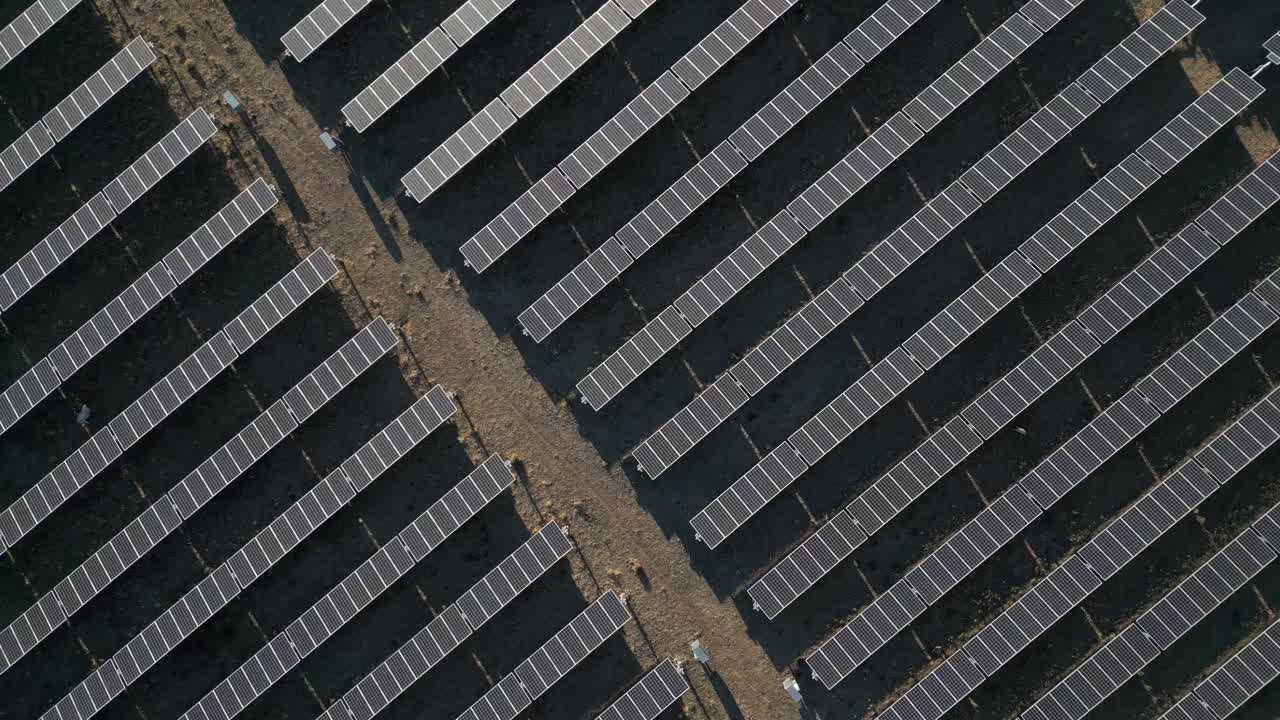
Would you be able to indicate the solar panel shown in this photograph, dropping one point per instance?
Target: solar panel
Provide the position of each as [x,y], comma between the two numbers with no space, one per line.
[74,109]
[578,639]
[99,88]
[362,585]
[1074,579]
[166,396]
[885,145]
[54,249]
[319,25]
[1047,13]
[715,170]
[160,160]
[129,306]
[122,192]
[552,661]
[1184,133]
[990,411]
[624,129]
[635,8]
[422,59]
[1272,46]
[1125,655]
[898,251]
[23,153]
[884,26]
[30,25]
[479,604]
[289,530]
[1234,682]
[218,471]
[974,70]
[517,100]
[655,692]
[415,658]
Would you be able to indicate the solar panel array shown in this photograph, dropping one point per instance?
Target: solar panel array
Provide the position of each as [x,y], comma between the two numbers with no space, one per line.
[250,562]
[907,480]
[1125,655]
[319,25]
[102,208]
[358,590]
[74,109]
[513,103]
[1036,492]
[137,300]
[1272,46]
[626,127]
[30,25]
[1098,323]
[1120,541]
[164,397]
[1237,680]
[380,687]
[963,317]
[657,691]
[422,59]
[1082,573]
[195,490]
[912,239]
[717,168]
[889,142]
[553,660]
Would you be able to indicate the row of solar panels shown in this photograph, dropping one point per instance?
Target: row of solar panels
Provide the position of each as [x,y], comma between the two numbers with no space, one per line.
[1234,682]
[136,301]
[195,490]
[422,59]
[30,25]
[985,653]
[319,25]
[1035,493]
[67,115]
[672,87]
[997,406]
[520,97]
[540,671]
[911,240]
[813,205]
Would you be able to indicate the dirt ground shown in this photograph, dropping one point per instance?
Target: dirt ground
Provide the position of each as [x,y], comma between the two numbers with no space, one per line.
[399,260]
